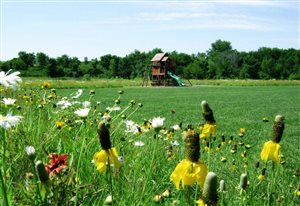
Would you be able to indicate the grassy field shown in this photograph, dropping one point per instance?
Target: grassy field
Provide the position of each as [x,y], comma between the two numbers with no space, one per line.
[146,170]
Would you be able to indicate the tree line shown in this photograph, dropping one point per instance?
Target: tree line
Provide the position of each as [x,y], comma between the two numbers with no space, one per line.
[221,61]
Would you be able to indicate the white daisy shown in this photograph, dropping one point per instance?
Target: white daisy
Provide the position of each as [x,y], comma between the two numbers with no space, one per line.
[64,104]
[8,121]
[82,112]
[131,127]
[9,101]
[8,80]
[176,127]
[86,104]
[157,122]
[138,143]
[30,150]
[78,94]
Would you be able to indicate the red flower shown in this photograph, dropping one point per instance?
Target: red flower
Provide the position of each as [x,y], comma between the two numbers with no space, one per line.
[57,163]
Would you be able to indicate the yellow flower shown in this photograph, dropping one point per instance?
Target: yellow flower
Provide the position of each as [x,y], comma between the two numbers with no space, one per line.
[271,151]
[200,202]
[261,177]
[188,172]
[59,124]
[45,85]
[242,131]
[104,156]
[297,191]
[208,130]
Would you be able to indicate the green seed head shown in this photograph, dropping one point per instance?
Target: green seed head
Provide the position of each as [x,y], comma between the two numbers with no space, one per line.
[243,181]
[222,186]
[207,112]
[42,173]
[104,137]
[278,127]
[205,106]
[210,195]
[192,149]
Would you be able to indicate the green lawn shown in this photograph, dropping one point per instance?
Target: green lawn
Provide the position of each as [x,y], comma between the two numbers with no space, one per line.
[145,170]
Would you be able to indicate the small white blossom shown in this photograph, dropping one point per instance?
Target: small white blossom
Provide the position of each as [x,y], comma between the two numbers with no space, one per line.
[30,150]
[10,80]
[64,104]
[157,122]
[174,143]
[176,127]
[108,200]
[82,112]
[86,104]
[131,127]
[138,143]
[8,121]
[115,108]
[78,94]
[8,101]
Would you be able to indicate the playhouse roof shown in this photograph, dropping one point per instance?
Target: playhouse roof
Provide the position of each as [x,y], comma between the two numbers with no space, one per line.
[159,57]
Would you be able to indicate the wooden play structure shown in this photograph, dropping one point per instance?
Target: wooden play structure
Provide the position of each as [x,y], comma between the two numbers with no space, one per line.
[163,72]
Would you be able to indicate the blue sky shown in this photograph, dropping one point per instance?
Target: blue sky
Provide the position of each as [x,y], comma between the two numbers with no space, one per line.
[93,28]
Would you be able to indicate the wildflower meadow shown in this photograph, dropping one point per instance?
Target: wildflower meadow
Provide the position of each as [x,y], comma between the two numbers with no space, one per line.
[201,145]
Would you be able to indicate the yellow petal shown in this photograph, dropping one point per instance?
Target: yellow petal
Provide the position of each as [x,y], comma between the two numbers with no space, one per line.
[208,130]
[201,172]
[113,157]
[271,151]
[100,159]
[200,202]
[177,174]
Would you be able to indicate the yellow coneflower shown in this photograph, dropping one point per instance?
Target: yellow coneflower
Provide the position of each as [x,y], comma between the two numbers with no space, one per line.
[210,127]
[170,153]
[297,191]
[45,85]
[271,148]
[231,140]
[242,132]
[191,169]
[262,176]
[223,139]
[60,124]
[223,159]
[107,155]
[233,166]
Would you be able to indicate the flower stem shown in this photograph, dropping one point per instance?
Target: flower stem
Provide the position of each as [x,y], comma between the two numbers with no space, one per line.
[3,176]
[36,180]
[78,165]
[3,189]
[150,168]
[110,182]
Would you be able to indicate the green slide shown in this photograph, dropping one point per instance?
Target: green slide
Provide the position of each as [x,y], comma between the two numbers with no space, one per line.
[177,79]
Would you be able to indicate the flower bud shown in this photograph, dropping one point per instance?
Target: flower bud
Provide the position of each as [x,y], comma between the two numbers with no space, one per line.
[243,181]
[278,128]
[30,152]
[222,186]
[132,102]
[210,194]
[42,173]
